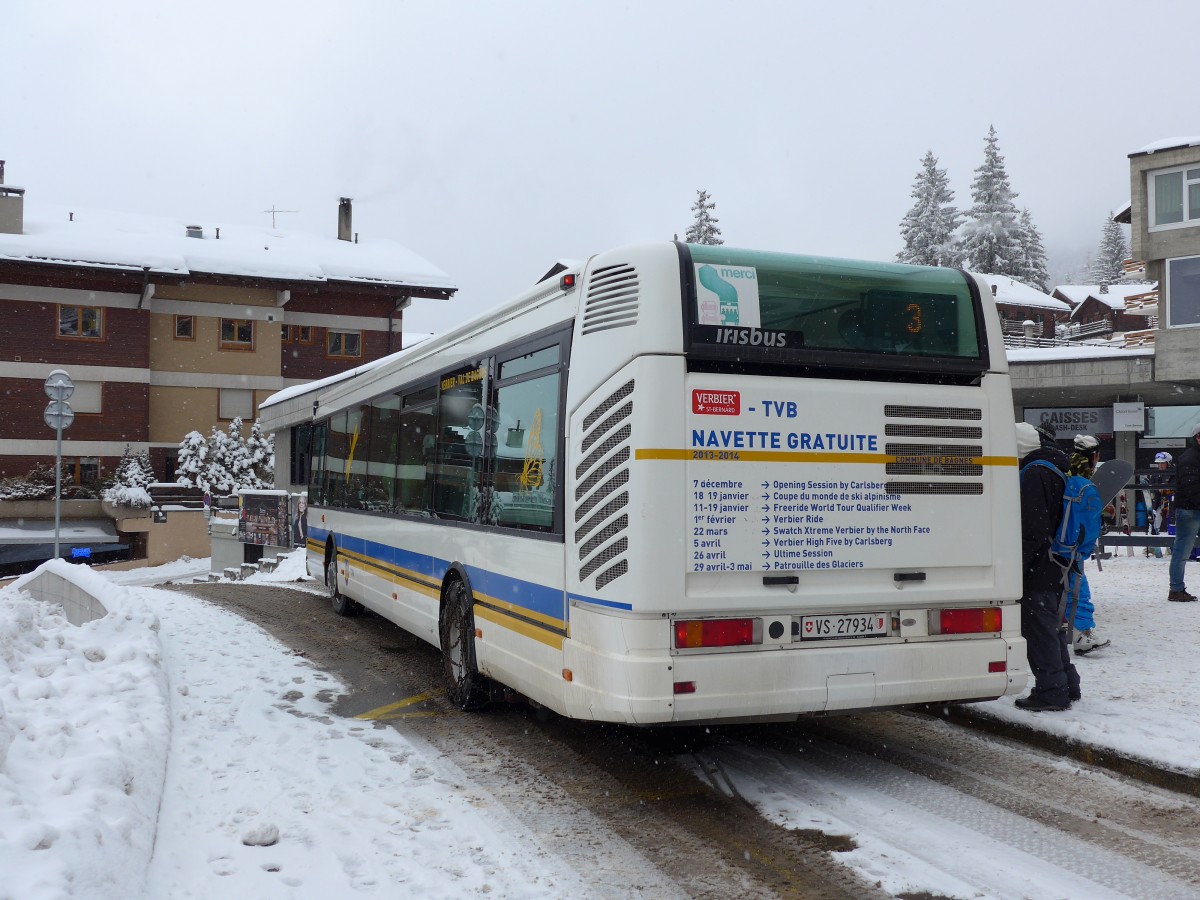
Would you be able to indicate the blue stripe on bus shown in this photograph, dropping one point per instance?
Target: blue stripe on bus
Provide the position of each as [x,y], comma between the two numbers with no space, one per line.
[596,601]
[526,594]
[529,595]
[420,563]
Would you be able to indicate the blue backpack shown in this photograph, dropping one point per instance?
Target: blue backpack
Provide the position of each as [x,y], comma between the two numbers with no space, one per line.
[1081,512]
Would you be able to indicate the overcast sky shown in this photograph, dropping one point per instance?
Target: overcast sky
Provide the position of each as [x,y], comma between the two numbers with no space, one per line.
[495,138]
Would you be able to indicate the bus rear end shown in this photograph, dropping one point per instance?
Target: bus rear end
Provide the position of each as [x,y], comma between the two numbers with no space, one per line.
[798,497]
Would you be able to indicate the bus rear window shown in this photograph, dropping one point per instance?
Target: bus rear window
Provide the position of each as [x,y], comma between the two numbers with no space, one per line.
[781,307]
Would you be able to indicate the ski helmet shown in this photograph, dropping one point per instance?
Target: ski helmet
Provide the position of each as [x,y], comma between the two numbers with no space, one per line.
[1162,456]
[1085,443]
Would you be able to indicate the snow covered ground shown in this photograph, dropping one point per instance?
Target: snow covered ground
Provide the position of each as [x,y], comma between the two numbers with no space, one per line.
[171,749]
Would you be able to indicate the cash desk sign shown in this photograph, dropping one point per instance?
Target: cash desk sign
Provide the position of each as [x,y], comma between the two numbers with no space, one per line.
[716,403]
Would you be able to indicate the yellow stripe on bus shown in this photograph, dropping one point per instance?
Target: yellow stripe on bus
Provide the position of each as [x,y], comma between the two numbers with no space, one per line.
[407,578]
[414,582]
[526,629]
[786,456]
[525,611]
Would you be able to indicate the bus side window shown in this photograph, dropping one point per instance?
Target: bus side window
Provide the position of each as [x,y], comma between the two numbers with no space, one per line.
[337,449]
[381,460]
[457,462]
[316,458]
[417,423]
[524,453]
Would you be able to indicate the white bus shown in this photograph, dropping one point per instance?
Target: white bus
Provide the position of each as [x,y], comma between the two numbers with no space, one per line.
[681,483]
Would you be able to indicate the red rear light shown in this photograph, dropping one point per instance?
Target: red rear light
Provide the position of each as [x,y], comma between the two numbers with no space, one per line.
[1001,666]
[685,687]
[969,621]
[714,633]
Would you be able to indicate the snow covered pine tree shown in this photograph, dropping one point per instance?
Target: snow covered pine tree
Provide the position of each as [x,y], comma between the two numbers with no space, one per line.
[703,229]
[261,448]
[991,235]
[1034,271]
[1109,265]
[928,227]
[192,461]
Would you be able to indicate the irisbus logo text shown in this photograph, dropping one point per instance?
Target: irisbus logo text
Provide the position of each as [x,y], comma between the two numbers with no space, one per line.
[717,403]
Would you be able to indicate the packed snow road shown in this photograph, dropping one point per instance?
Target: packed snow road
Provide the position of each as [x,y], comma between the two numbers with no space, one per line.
[840,807]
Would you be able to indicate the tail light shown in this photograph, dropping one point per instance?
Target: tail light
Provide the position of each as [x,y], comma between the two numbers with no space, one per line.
[717,633]
[966,621]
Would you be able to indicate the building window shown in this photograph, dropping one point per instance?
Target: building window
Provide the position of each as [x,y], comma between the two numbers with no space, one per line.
[285,334]
[237,334]
[84,322]
[88,398]
[1183,291]
[297,334]
[237,402]
[1174,196]
[82,469]
[344,344]
[185,328]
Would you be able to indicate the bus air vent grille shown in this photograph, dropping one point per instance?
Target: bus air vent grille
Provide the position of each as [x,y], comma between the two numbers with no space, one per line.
[615,440]
[609,465]
[609,553]
[608,531]
[607,434]
[610,509]
[612,299]
[611,574]
[960,432]
[932,412]
[934,459]
[932,487]
[620,394]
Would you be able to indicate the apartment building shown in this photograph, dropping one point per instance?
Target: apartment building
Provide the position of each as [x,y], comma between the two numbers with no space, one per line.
[168,327]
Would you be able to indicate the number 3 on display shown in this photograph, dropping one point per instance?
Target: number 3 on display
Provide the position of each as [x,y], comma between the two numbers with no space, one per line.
[914,325]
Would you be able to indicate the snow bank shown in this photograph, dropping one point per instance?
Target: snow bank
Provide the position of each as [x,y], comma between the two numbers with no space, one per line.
[84,729]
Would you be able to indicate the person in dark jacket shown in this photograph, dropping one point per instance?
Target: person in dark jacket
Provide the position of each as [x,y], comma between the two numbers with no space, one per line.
[1187,515]
[1056,682]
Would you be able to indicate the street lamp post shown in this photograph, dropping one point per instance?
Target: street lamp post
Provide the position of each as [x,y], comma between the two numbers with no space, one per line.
[59,416]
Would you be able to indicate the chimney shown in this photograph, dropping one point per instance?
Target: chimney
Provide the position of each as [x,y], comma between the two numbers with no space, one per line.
[195,231]
[12,207]
[344,218]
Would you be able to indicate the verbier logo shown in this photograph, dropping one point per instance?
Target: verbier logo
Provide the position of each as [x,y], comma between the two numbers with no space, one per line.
[716,403]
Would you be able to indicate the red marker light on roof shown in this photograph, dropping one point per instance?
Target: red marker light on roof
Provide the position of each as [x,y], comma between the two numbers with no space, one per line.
[566,282]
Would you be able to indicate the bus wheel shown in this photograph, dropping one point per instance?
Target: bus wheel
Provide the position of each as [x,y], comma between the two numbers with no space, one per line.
[466,687]
[342,605]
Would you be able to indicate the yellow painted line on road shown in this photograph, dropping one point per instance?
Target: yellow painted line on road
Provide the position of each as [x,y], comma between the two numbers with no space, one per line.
[398,710]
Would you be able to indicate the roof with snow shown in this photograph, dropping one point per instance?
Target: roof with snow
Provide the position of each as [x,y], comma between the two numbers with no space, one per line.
[1171,143]
[1013,292]
[1114,299]
[119,241]
[1074,351]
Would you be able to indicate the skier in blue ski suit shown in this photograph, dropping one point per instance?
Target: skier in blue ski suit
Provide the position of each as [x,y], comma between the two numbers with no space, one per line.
[1083,462]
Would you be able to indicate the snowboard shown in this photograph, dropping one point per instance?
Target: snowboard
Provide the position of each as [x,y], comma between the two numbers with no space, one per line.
[1110,478]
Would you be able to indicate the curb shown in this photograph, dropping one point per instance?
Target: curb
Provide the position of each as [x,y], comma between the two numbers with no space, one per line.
[1142,770]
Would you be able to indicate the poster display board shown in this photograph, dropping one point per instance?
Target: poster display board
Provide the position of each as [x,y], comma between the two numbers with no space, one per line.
[263,518]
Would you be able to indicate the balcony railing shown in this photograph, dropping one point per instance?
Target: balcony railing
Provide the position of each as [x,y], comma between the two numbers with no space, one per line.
[1143,338]
[1085,330]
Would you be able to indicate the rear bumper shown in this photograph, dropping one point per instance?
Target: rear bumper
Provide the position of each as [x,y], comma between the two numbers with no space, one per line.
[784,684]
